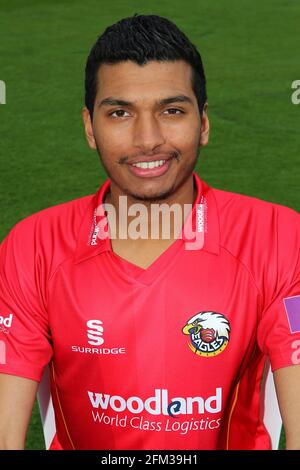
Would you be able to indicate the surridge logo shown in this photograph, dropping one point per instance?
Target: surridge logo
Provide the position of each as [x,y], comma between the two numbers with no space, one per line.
[208,333]
[159,404]
[95,332]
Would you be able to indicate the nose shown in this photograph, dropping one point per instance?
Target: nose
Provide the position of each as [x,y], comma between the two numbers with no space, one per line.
[147,133]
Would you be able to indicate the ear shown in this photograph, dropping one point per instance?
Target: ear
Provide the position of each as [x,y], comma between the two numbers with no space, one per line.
[89,134]
[204,137]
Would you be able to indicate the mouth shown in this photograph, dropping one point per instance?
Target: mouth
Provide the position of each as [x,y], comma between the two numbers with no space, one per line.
[150,169]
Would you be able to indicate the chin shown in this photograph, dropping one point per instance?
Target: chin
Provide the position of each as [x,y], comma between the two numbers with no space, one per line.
[151,196]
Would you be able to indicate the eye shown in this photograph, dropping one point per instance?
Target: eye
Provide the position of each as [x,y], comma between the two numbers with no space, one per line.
[174,111]
[118,113]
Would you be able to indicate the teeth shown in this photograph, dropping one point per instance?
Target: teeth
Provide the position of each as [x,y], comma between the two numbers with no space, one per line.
[145,165]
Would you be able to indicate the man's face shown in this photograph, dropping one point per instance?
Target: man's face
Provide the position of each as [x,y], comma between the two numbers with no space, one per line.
[146,127]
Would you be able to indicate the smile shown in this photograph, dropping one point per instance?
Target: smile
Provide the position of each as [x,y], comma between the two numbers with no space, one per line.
[150,169]
[149,164]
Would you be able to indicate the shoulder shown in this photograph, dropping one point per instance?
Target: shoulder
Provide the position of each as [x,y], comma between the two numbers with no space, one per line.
[262,235]
[45,237]
[251,218]
[66,215]
[241,203]
[58,214]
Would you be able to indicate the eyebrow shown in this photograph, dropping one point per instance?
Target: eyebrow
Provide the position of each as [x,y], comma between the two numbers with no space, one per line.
[111,101]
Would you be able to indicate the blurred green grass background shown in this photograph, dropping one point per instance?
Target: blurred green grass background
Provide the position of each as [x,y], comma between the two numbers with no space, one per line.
[250,50]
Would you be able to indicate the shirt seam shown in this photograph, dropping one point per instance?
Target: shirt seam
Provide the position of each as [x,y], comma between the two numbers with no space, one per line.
[54,273]
[246,268]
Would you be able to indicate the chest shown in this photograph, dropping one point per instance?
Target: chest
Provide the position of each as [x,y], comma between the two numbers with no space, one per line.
[193,314]
[141,254]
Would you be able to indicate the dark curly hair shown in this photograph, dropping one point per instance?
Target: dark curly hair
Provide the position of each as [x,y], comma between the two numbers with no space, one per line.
[142,38]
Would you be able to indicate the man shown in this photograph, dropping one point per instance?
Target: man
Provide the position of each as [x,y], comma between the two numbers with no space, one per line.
[153,342]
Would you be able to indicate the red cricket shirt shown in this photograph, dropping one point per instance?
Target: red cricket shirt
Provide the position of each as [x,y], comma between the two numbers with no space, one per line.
[168,357]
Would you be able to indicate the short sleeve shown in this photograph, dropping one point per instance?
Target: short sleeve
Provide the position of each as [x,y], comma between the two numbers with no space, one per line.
[279,327]
[25,343]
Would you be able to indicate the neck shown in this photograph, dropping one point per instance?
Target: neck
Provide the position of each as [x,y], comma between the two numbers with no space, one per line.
[153,215]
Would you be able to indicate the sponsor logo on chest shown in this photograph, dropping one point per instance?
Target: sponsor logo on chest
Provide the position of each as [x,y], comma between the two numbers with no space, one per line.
[95,337]
[6,322]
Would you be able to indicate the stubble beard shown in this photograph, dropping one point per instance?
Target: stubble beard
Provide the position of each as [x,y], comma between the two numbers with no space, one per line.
[160,196]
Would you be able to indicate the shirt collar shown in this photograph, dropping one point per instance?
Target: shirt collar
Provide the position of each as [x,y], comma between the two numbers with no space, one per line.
[204,218]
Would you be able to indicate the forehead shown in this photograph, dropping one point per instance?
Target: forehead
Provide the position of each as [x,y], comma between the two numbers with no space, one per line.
[130,80]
